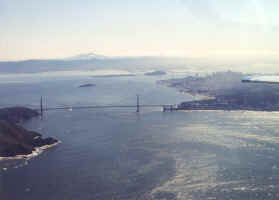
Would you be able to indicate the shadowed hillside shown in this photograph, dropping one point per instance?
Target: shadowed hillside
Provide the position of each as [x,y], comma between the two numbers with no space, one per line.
[14,139]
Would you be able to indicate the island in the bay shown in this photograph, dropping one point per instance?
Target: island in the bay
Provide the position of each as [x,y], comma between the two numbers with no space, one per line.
[87,85]
[16,140]
[226,91]
[155,73]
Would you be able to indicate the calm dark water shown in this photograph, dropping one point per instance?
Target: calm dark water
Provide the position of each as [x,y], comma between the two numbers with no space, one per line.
[119,154]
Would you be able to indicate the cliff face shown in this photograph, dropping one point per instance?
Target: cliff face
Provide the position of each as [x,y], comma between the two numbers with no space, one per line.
[14,139]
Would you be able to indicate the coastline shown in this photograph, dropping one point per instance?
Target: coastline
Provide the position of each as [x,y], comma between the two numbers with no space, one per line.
[225,91]
[222,110]
[36,152]
[15,141]
[211,103]
[215,105]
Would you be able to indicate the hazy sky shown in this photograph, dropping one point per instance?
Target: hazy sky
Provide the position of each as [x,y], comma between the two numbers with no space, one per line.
[61,28]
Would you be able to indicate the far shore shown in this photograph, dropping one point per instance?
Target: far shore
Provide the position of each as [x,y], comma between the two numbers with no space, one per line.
[225,91]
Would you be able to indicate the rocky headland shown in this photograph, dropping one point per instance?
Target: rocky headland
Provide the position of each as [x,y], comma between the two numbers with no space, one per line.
[16,141]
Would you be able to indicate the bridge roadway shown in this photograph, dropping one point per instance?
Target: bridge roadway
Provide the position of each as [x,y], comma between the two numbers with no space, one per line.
[105,106]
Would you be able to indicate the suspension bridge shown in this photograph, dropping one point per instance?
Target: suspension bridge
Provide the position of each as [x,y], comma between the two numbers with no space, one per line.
[138,106]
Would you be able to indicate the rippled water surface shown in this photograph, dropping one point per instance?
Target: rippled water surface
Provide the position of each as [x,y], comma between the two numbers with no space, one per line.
[119,154]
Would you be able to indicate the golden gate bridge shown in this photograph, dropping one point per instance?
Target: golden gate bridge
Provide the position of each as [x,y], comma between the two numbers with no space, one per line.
[165,107]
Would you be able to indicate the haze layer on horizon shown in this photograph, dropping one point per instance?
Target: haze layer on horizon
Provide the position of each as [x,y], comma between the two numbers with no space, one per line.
[36,29]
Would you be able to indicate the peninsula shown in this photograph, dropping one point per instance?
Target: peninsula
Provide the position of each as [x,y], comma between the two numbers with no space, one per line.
[14,139]
[226,91]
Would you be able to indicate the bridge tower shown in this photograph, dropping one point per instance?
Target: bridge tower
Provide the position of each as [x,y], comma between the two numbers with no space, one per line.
[138,103]
[41,105]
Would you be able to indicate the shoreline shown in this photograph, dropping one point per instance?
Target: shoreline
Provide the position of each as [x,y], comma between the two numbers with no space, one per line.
[36,152]
[222,110]
[225,91]
[211,104]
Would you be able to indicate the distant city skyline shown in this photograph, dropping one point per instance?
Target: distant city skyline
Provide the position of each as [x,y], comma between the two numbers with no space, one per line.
[36,29]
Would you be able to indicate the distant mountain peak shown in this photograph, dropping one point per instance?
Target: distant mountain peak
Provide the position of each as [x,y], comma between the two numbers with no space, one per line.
[87,56]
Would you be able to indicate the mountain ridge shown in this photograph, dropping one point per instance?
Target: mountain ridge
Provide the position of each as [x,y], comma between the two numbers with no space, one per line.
[86,56]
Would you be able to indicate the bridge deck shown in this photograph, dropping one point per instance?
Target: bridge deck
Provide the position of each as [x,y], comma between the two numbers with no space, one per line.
[96,107]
